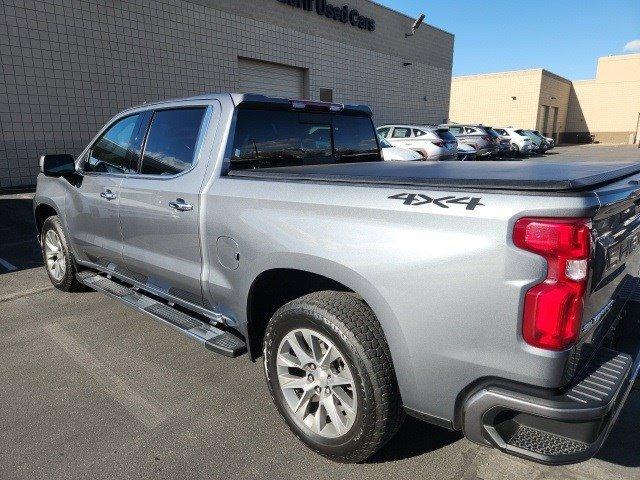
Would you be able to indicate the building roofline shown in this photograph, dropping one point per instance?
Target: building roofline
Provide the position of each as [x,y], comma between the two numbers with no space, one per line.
[407,16]
[495,74]
[542,71]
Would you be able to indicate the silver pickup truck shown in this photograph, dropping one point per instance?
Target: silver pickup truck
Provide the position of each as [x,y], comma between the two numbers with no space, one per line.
[500,299]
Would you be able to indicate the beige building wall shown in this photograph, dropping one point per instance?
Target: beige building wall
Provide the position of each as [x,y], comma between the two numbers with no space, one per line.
[607,108]
[498,99]
[553,101]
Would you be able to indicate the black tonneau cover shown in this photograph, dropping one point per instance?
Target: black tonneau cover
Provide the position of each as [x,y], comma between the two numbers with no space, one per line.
[560,176]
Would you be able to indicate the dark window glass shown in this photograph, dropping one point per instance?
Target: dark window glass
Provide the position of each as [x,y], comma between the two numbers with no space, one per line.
[418,133]
[111,152]
[326,95]
[171,142]
[267,138]
[401,132]
[445,135]
[354,139]
[456,130]
[383,131]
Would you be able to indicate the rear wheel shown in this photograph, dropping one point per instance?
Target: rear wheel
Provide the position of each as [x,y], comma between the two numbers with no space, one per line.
[57,256]
[330,374]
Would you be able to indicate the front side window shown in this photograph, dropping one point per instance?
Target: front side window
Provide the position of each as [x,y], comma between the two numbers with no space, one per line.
[111,153]
[171,143]
[272,138]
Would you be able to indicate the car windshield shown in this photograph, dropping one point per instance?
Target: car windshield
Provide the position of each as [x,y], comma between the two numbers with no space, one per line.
[384,143]
[283,138]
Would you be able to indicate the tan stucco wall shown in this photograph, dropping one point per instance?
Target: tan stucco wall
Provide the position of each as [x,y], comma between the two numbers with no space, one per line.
[619,68]
[554,92]
[488,99]
[608,106]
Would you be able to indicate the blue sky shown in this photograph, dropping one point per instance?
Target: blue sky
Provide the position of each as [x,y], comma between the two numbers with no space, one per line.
[563,36]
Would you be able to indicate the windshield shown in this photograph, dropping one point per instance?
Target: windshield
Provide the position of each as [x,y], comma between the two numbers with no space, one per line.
[273,138]
[384,143]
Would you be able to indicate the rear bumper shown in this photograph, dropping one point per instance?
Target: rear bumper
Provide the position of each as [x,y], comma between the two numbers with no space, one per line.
[550,427]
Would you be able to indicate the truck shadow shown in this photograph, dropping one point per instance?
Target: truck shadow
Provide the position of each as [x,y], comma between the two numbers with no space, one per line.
[623,445]
[19,249]
[415,438]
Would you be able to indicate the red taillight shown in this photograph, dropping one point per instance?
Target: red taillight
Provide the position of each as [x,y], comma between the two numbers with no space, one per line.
[553,309]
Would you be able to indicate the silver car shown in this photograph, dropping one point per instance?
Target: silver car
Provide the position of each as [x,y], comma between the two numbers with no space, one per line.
[478,136]
[432,143]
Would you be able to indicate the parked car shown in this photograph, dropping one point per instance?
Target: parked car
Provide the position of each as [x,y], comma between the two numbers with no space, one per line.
[538,141]
[502,302]
[519,141]
[503,142]
[478,136]
[391,153]
[431,142]
[550,141]
[466,153]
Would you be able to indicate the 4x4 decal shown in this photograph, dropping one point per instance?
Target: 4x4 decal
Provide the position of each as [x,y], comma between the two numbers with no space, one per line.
[416,199]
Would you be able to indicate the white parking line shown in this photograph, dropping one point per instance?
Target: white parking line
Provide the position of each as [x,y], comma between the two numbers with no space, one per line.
[7,265]
[147,412]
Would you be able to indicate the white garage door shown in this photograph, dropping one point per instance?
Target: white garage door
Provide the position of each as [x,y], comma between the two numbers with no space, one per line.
[271,79]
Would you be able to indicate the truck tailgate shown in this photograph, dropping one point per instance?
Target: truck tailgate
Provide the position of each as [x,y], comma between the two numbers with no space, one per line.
[615,266]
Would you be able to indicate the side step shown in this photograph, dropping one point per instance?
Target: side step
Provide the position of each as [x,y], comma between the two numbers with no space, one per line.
[214,339]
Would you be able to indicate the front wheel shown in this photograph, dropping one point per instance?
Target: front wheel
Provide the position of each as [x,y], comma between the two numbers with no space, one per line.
[57,256]
[330,374]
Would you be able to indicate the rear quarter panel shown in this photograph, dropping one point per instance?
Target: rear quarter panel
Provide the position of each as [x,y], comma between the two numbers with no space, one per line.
[445,282]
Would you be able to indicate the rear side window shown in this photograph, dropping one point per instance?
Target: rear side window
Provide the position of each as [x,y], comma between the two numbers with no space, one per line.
[456,130]
[418,133]
[272,138]
[354,139]
[445,135]
[401,132]
[112,151]
[171,142]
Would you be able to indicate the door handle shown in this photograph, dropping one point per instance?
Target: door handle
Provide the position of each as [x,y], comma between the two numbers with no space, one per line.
[108,194]
[181,205]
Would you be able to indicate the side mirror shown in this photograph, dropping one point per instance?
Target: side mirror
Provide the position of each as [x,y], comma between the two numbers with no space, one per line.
[57,165]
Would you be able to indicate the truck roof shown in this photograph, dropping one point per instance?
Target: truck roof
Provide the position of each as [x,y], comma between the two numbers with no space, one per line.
[558,176]
[248,100]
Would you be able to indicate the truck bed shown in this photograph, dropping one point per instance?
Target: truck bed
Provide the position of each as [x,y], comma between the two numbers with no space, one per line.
[552,176]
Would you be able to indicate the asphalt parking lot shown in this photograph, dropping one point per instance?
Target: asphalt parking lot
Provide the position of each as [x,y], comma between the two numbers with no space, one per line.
[93,389]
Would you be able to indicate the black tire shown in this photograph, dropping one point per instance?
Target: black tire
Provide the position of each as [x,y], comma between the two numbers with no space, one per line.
[348,322]
[68,282]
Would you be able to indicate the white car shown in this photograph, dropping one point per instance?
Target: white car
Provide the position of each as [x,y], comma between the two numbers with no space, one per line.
[432,143]
[520,142]
[391,153]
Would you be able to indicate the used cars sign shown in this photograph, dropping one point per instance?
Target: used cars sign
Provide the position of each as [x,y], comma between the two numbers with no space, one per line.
[344,14]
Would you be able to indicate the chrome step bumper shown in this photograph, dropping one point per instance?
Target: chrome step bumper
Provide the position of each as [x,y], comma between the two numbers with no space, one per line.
[549,427]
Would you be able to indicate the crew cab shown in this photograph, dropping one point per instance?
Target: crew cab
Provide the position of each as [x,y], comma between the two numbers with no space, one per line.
[499,299]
